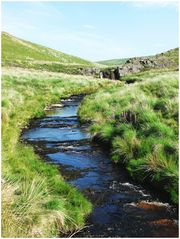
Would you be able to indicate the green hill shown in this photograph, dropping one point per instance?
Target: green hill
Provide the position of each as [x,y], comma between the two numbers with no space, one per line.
[17,52]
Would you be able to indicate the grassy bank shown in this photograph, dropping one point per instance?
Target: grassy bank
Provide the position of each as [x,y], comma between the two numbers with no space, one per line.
[140,122]
[36,201]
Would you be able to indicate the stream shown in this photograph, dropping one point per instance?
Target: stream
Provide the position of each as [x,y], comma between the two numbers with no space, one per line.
[121,207]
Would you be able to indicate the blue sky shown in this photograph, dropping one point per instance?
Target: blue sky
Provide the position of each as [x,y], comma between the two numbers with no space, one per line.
[95,30]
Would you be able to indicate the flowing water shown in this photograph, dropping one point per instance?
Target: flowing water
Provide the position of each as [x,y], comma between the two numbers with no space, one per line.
[122,208]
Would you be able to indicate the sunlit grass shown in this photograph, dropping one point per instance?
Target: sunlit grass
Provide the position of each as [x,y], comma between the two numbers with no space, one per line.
[41,203]
[140,122]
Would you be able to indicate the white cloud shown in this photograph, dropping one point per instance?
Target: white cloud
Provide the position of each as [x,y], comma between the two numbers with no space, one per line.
[89,26]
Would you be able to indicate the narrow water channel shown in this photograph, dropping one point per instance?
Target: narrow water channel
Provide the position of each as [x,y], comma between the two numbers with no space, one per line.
[122,208]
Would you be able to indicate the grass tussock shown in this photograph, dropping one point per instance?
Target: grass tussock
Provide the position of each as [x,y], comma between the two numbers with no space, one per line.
[22,213]
[140,122]
[37,202]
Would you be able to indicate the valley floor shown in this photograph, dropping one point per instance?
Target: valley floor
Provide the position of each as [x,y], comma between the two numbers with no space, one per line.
[138,121]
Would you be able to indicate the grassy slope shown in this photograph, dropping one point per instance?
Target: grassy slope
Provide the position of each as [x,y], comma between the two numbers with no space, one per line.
[34,191]
[140,122]
[171,55]
[17,52]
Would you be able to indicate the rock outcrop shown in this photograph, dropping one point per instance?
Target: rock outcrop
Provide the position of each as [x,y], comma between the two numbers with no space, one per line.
[168,59]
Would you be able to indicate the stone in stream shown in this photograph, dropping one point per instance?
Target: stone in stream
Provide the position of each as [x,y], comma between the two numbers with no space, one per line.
[152,205]
[165,222]
[53,106]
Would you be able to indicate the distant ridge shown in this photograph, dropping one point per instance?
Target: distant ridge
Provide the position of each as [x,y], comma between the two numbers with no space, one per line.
[113,62]
[171,55]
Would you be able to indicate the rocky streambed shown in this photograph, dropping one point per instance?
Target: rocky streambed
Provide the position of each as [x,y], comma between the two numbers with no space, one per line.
[122,208]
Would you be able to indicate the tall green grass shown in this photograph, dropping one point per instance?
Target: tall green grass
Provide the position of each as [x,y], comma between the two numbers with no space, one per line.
[37,202]
[140,122]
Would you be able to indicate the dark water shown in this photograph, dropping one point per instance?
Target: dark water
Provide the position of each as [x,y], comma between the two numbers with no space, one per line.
[122,208]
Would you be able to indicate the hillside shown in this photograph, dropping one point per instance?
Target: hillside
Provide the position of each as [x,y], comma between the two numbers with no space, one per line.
[17,52]
[168,58]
